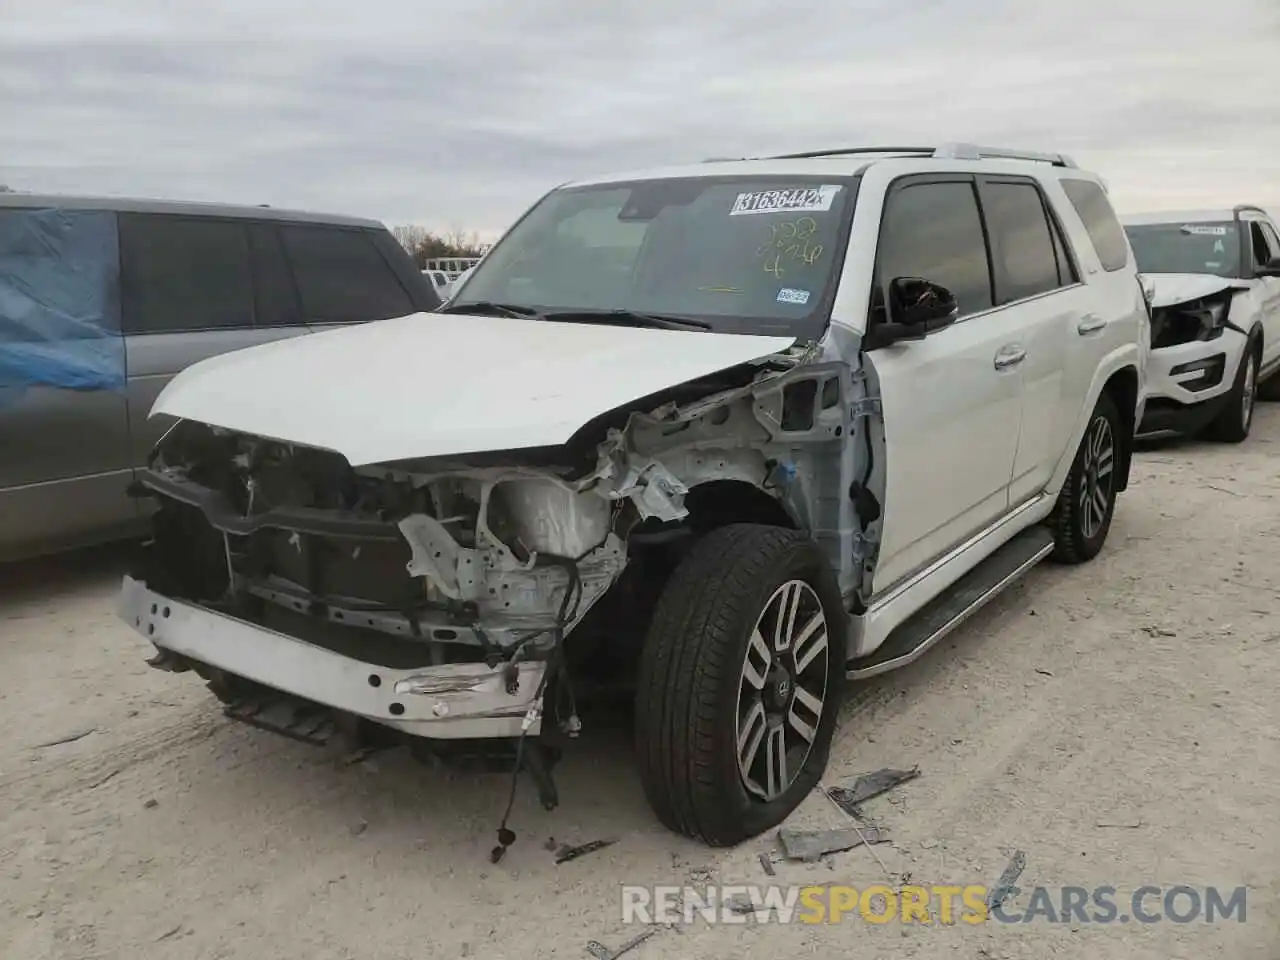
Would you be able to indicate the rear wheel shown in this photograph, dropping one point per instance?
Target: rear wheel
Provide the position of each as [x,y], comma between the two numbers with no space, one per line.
[739,683]
[1082,516]
[1232,424]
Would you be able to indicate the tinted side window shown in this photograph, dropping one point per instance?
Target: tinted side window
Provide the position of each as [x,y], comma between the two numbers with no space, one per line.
[275,300]
[1021,244]
[1263,251]
[1273,241]
[934,231]
[1100,221]
[184,273]
[342,277]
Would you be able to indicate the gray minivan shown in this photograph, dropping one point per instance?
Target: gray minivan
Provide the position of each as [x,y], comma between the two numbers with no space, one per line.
[103,300]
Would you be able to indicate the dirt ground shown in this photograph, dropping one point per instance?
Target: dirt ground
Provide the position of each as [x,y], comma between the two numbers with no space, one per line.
[1119,722]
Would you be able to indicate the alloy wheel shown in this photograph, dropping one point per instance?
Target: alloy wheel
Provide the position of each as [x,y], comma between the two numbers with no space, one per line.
[1098,477]
[1250,390]
[782,689]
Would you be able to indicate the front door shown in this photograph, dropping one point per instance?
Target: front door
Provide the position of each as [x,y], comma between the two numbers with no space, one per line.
[953,401]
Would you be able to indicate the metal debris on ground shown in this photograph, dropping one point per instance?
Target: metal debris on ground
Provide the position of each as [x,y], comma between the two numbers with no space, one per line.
[811,845]
[766,863]
[601,952]
[1004,886]
[1133,825]
[867,786]
[741,905]
[567,853]
[1043,672]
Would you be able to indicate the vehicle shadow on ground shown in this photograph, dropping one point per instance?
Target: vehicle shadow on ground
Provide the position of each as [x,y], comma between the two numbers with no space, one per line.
[45,579]
[398,804]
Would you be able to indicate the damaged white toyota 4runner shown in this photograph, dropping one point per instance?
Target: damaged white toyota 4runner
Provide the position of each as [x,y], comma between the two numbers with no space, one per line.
[721,436]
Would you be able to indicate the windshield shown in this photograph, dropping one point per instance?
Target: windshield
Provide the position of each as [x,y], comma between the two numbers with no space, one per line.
[743,255]
[1210,247]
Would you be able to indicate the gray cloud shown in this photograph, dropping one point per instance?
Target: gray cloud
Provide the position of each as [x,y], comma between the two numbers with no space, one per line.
[459,115]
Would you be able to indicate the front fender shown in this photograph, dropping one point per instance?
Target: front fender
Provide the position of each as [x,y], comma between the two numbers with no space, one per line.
[1131,356]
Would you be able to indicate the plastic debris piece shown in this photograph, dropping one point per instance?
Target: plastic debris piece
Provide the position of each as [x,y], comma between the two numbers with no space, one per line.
[869,785]
[811,845]
[1004,886]
[568,853]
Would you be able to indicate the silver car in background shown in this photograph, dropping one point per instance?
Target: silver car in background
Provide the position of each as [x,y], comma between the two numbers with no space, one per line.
[103,300]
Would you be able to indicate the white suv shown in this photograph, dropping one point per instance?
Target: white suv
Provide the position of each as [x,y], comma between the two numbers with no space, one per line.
[728,433]
[1214,280]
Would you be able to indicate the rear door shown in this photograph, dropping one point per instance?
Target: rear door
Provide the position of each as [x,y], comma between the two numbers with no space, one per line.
[192,290]
[1035,276]
[64,451]
[344,276]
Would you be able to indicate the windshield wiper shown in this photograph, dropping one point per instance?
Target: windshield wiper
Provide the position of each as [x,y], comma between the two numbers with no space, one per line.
[629,317]
[488,306]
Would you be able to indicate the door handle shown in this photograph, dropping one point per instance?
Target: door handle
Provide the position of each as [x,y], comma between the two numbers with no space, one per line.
[1009,356]
[1090,323]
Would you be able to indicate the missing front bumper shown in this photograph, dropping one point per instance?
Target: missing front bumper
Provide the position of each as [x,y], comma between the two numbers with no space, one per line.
[451,701]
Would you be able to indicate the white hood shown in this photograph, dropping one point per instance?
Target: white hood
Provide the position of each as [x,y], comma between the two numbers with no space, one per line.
[1174,288]
[443,384]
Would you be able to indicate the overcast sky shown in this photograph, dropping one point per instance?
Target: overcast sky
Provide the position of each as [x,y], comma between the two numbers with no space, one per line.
[459,114]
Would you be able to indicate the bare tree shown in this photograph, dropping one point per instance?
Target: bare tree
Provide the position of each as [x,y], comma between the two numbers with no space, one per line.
[425,245]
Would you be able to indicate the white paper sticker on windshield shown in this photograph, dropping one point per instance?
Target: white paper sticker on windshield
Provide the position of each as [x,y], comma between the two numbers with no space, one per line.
[1200,230]
[791,295]
[798,200]
[1219,247]
[1213,264]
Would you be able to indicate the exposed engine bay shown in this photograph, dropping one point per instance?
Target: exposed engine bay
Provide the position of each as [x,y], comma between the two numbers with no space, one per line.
[475,598]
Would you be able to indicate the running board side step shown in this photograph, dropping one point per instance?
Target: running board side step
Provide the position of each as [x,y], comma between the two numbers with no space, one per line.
[915,635]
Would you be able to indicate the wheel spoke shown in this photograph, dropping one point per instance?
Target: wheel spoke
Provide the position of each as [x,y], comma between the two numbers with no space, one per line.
[813,706]
[775,758]
[757,662]
[1099,506]
[1105,463]
[811,642]
[751,732]
[788,605]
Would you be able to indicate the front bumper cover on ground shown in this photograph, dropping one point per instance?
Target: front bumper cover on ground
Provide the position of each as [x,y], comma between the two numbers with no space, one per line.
[451,701]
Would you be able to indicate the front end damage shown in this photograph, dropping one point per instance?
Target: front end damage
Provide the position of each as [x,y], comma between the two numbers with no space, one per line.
[469,600]
[1196,350]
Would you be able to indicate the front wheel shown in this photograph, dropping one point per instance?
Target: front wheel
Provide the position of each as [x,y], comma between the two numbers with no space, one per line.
[1232,424]
[1082,516]
[739,683]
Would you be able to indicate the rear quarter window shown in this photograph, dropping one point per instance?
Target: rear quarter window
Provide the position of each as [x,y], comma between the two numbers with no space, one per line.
[342,276]
[1100,221]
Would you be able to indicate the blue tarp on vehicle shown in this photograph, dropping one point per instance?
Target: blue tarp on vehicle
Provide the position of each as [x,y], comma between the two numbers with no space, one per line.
[59,301]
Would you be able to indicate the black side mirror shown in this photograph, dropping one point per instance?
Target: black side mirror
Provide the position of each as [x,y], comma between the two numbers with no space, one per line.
[916,308]
[1270,269]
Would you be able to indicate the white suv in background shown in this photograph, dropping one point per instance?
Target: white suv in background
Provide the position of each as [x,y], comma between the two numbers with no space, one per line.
[724,435]
[1215,325]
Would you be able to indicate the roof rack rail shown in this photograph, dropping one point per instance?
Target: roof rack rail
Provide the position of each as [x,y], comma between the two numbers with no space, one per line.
[1246,208]
[971,151]
[850,152]
[947,151]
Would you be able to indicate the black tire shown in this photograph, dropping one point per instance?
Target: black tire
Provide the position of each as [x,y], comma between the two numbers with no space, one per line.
[1078,534]
[1233,422]
[694,669]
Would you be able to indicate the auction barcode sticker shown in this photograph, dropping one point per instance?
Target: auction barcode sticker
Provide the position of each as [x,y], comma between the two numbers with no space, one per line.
[797,200]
